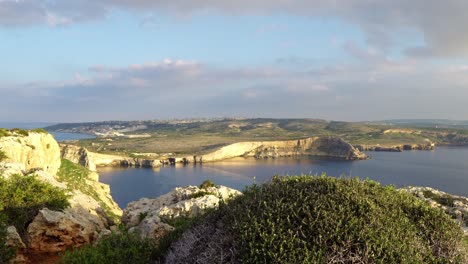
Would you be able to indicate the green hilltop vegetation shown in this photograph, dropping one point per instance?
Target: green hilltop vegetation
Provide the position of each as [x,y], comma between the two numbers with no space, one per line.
[305,219]
[204,135]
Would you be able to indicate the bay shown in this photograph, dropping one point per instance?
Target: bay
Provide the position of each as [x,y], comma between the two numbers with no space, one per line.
[445,168]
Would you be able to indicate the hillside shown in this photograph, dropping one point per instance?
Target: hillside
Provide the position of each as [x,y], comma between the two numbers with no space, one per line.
[203,136]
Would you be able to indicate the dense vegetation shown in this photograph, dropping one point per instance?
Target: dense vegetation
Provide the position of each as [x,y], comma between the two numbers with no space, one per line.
[122,247]
[323,220]
[21,198]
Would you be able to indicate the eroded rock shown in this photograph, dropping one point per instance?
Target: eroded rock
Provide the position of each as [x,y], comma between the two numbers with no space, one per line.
[147,216]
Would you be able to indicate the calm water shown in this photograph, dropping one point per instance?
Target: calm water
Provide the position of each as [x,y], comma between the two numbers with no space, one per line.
[59,136]
[445,169]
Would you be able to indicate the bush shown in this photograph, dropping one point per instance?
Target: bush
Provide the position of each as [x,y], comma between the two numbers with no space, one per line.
[40,130]
[201,194]
[20,131]
[207,184]
[4,132]
[121,247]
[21,198]
[310,219]
[3,156]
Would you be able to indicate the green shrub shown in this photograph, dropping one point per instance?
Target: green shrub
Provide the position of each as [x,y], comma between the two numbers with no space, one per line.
[121,247]
[3,156]
[4,132]
[322,220]
[142,216]
[200,194]
[20,131]
[40,130]
[207,184]
[21,198]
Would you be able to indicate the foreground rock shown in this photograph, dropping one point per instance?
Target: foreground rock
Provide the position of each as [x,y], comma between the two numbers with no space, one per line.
[453,205]
[150,217]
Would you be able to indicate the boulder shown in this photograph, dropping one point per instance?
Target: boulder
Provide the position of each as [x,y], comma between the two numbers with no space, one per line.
[54,231]
[147,216]
[14,239]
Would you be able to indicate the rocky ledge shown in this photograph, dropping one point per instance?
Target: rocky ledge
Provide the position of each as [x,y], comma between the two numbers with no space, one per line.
[152,217]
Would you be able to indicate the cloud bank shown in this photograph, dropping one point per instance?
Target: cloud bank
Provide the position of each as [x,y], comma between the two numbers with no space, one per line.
[177,88]
[440,24]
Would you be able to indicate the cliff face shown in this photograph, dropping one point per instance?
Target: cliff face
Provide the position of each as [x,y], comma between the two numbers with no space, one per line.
[55,231]
[328,147]
[77,155]
[91,160]
[36,151]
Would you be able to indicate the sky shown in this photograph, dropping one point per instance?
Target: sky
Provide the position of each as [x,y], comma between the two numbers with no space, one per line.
[351,60]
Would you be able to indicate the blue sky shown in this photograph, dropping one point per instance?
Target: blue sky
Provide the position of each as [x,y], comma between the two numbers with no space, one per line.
[342,60]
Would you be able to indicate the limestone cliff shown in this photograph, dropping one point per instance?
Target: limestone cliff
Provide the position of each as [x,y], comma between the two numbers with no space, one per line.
[88,216]
[92,160]
[35,151]
[327,147]
[78,155]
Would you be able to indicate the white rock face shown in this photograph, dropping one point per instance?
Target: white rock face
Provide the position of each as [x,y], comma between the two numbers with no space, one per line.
[36,151]
[145,214]
[78,155]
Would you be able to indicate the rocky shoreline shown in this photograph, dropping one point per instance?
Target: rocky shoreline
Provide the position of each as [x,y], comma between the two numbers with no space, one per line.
[396,148]
[322,147]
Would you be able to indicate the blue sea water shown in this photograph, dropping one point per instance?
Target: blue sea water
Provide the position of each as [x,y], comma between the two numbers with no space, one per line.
[445,168]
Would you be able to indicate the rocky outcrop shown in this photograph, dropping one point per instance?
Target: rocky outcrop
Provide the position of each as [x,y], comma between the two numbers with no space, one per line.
[326,147]
[453,205]
[77,155]
[55,231]
[91,160]
[35,151]
[149,216]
